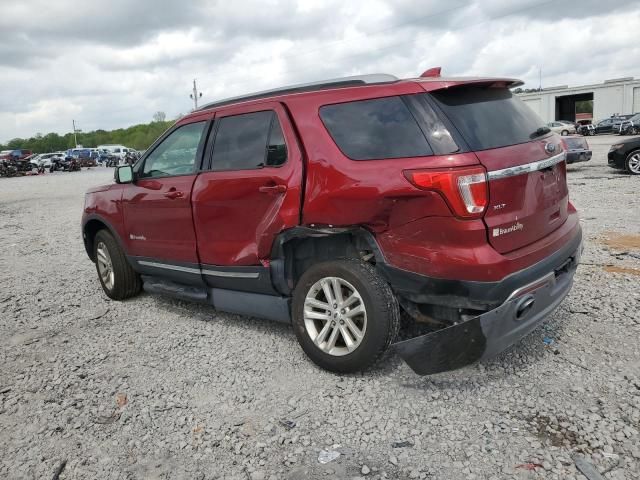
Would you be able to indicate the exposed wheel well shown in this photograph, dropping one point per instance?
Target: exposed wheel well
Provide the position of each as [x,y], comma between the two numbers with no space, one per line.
[297,249]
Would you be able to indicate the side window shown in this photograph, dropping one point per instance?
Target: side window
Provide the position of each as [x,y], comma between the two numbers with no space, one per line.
[375,129]
[249,141]
[176,155]
[276,148]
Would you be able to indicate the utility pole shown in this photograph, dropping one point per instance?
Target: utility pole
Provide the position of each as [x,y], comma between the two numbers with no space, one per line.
[540,78]
[195,95]
[75,131]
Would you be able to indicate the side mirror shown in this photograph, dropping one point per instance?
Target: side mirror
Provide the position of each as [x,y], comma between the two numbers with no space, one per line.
[123,174]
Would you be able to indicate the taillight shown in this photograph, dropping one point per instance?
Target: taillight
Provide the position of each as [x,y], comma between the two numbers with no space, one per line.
[465,189]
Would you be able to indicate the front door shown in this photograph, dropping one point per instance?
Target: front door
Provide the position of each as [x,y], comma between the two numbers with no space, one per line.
[157,207]
[252,190]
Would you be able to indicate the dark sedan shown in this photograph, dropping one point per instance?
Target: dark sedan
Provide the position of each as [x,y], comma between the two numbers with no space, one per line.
[626,155]
[610,125]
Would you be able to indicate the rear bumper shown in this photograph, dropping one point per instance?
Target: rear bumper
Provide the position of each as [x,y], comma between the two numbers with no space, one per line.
[575,156]
[488,334]
[471,294]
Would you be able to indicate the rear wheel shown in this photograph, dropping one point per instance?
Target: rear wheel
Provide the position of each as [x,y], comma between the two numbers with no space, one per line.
[345,315]
[119,281]
[564,133]
[632,164]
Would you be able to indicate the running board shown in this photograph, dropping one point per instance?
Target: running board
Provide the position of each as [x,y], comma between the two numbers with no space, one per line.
[269,307]
[173,289]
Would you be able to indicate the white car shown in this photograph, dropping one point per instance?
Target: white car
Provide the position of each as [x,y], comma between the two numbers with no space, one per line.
[45,159]
[119,151]
[562,128]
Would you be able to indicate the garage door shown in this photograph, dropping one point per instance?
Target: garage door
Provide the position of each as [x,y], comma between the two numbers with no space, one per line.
[535,104]
[636,99]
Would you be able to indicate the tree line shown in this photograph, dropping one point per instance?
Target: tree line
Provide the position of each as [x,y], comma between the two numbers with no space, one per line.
[139,137]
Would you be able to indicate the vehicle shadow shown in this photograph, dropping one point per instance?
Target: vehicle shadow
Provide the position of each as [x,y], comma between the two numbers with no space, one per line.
[531,352]
[207,313]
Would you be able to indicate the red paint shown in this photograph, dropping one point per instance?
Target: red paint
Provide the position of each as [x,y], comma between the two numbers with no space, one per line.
[431,72]
[231,217]
[158,218]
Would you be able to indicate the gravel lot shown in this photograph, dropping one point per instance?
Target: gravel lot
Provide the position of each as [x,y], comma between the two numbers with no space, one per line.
[156,388]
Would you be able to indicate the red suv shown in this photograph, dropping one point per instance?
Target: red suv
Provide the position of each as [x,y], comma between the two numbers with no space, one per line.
[334,206]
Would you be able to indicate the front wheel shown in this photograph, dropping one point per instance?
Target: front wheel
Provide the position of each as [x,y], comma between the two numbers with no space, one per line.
[345,315]
[564,133]
[632,163]
[119,281]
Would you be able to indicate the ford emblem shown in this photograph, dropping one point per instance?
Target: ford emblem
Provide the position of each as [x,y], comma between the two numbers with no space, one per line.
[550,148]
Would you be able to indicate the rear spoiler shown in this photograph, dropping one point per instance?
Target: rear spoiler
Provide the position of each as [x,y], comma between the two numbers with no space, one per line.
[438,83]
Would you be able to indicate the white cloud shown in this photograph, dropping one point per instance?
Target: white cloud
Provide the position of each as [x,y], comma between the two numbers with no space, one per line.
[115,64]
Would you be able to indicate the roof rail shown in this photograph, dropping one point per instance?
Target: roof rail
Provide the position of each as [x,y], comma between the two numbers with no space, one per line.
[307,87]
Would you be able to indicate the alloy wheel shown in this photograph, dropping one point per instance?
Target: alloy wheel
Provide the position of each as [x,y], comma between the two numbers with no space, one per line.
[105,267]
[634,163]
[335,316]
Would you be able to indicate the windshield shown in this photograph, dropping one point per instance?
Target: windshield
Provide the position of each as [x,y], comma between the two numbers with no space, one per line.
[490,117]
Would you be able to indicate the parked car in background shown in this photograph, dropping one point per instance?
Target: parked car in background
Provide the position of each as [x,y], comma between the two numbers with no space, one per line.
[45,159]
[587,130]
[18,158]
[562,128]
[119,151]
[626,155]
[569,122]
[576,148]
[631,126]
[333,205]
[603,126]
[618,120]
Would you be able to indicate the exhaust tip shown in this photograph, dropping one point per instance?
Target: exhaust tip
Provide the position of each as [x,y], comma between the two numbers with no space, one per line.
[524,306]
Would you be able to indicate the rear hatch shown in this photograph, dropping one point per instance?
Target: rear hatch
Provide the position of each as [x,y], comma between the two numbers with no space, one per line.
[528,195]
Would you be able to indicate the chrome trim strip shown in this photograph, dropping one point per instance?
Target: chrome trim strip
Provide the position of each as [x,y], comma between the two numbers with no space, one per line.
[530,287]
[527,167]
[169,267]
[214,273]
[218,273]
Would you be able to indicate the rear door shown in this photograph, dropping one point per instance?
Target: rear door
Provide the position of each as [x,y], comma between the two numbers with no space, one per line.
[157,207]
[528,195]
[252,190]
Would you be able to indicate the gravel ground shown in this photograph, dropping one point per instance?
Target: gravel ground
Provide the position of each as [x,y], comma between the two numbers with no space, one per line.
[162,389]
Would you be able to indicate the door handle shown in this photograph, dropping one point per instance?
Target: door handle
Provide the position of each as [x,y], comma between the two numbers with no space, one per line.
[273,189]
[173,194]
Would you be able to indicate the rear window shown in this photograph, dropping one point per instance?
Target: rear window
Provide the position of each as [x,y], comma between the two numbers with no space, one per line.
[575,143]
[375,129]
[488,117]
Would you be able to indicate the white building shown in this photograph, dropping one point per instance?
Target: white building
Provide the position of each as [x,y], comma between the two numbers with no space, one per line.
[617,96]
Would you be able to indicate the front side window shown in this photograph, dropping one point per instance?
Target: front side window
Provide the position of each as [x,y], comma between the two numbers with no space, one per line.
[176,155]
[375,129]
[249,141]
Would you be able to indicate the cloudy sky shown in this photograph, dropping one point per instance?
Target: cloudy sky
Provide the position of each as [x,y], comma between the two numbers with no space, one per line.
[113,64]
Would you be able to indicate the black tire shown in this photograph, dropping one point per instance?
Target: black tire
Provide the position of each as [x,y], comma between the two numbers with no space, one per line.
[564,133]
[632,169]
[383,314]
[126,282]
